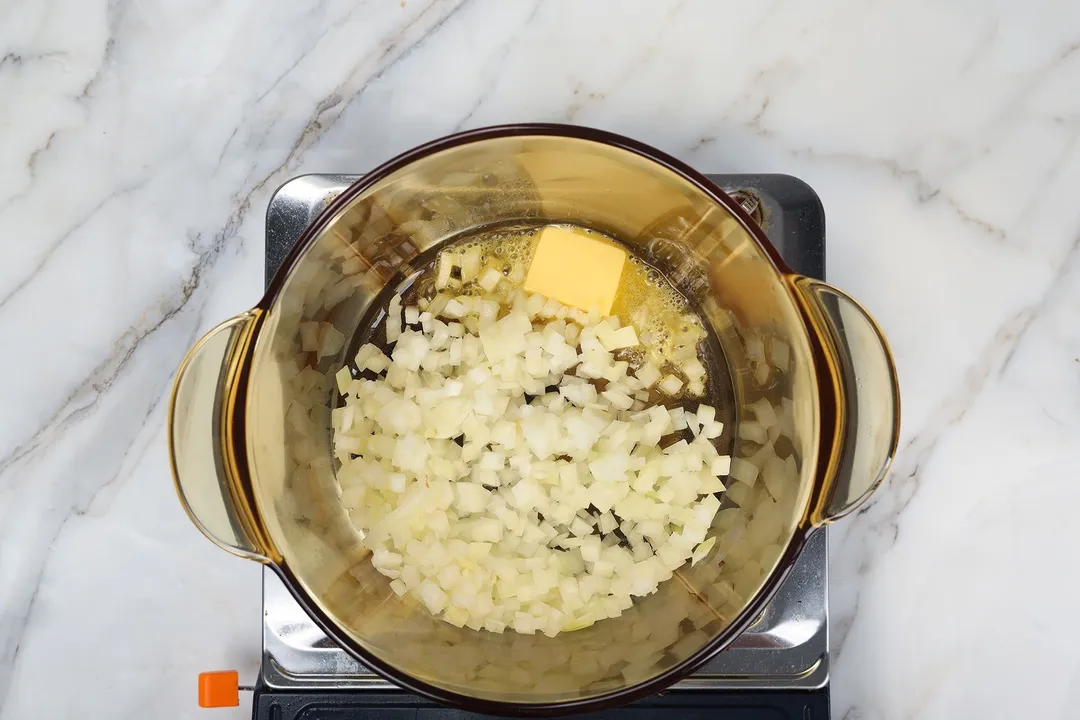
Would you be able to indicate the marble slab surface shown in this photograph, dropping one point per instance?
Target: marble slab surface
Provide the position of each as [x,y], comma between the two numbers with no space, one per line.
[140,141]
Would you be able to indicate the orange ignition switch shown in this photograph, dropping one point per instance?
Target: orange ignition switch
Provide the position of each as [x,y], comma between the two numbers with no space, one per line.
[219,689]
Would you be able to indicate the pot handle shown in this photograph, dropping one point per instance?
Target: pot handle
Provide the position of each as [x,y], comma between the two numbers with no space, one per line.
[867,398]
[203,412]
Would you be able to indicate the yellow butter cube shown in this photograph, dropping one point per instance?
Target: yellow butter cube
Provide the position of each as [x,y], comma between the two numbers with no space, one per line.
[576,269]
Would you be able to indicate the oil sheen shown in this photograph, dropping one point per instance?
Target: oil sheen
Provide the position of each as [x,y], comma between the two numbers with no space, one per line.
[667,325]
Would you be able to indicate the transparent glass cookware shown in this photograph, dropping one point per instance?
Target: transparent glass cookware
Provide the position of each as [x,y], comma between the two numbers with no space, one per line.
[250,432]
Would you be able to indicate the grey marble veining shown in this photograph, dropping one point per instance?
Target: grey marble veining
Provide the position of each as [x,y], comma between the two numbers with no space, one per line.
[140,141]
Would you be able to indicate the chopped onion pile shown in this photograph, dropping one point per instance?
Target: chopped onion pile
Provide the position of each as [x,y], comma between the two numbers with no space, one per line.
[503,465]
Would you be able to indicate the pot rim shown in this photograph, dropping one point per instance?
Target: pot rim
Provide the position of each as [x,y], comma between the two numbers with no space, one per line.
[494,132]
[605,701]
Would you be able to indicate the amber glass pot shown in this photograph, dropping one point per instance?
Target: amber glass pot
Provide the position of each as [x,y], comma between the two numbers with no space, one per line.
[250,431]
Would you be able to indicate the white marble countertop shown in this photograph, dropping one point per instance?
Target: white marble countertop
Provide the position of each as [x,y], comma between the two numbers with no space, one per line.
[140,142]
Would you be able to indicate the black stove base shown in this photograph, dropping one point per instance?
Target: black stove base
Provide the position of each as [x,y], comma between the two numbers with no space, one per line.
[683,704]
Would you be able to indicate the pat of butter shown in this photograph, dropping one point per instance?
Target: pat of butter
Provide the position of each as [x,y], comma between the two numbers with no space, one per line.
[575,269]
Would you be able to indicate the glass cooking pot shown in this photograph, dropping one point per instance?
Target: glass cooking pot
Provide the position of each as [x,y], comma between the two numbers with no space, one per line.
[815,409]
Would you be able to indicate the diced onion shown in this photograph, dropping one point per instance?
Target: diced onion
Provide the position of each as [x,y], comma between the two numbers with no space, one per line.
[744,471]
[393,319]
[671,385]
[490,279]
[764,413]
[344,379]
[495,484]
[445,266]
[702,550]
[648,375]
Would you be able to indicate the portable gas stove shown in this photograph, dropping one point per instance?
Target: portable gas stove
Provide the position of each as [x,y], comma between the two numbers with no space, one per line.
[778,668]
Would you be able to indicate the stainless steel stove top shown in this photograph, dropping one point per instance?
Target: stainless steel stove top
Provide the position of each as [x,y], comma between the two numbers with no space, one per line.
[786,648]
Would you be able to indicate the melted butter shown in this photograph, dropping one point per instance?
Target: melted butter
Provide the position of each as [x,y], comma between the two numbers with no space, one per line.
[662,317]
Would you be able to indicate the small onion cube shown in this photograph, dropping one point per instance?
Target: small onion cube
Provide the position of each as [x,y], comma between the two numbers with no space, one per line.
[761,374]
[678,419]
[694,369]
[754,432]
[445,266]
[470,264]
[343,377]
[393,319]
[471,498]
[617,399]
[580,528]
[744,471]
[453,309]
[764,413]
[712,430]
[702,550]
[779,353]
[648,374]
[607,523]
[670,385]
[490,279]
[613,340]
[433,596]
[377,363]
[721,466]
